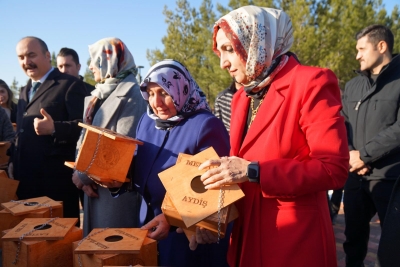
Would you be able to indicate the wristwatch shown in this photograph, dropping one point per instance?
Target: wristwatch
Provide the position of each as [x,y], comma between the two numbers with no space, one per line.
[253,172]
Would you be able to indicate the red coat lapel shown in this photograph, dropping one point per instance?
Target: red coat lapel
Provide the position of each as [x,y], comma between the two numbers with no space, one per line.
[272,102]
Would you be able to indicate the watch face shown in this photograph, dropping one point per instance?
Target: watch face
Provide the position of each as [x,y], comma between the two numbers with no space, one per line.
[253,172]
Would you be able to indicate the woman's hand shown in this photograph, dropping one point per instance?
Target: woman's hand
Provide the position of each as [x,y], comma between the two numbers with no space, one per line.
[158,227]
[90,190]
[230,170]
[76,180]
[203,236]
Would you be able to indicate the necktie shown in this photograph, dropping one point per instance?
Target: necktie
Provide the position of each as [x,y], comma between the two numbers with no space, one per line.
[35,86]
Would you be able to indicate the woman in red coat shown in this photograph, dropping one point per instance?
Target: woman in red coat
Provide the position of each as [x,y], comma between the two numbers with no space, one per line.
[288,144]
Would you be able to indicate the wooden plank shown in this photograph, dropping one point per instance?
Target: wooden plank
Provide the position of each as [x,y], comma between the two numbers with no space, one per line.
[113,240]
[183,180]
[8,187]
[56,229]
[29,205]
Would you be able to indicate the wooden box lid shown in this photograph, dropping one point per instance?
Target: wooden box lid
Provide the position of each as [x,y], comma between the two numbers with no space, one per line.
[8,187]
[29,205]
[187,193]
[104,154]
[57,229]
[113,240]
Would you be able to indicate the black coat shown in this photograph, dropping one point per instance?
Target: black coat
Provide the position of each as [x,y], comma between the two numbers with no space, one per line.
[389,244]
[372,118]
[39,160]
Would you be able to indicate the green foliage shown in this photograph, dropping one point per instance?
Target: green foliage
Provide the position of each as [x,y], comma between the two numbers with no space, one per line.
[53,60]
[88,76]
[324,35]
[15,89]
[189,40]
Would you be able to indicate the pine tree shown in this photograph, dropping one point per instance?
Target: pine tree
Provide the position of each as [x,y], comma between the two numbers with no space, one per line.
[189,40]
[15,89]
[88,76]
[53,60]
[324,35]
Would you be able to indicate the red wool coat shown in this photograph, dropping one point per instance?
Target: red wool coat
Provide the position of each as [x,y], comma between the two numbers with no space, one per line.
[299,139]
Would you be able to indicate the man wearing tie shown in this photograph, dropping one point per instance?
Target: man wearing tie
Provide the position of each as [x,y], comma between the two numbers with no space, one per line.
[49,109]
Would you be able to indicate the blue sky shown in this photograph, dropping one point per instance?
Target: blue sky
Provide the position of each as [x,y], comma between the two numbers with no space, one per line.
[76,24]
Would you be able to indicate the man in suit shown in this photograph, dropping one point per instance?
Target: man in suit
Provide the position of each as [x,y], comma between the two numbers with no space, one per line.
[47,128]
[68,62]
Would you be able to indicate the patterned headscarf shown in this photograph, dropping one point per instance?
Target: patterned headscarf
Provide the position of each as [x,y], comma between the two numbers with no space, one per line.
[115,62]
[260,37]
[176,80]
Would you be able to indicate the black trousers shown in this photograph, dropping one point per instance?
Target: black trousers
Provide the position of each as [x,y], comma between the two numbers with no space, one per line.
[362,200]
[336,199]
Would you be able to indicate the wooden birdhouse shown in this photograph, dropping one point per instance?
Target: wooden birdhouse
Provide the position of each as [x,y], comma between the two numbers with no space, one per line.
[8,187]
[188,201]
[115,246]
[227,215]
[40,242]
[104,154]
[9,220]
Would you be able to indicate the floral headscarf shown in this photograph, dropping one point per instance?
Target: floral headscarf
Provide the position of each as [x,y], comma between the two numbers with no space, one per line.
[115,62]
[261,37]
[176,80]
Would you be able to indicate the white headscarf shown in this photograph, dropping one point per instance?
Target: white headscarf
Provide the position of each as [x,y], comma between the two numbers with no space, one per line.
[115,62]
[261,37]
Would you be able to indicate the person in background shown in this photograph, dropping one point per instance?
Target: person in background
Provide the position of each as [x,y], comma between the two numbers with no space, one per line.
[372,115]
[178,120]
[115,104]
[222,106]
[68,62]
[50,107]
[6,129]
[6,101]
[282,113]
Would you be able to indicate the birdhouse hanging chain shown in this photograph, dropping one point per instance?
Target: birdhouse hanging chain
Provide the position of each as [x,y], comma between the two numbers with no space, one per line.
[28,233]
[219,213]
[94,154]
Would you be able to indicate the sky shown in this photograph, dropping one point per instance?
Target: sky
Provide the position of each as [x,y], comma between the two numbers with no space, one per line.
[76,24]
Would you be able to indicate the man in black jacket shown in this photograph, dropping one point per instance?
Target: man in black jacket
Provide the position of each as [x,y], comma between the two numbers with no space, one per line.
[68,62]
[372,116]
[49,109]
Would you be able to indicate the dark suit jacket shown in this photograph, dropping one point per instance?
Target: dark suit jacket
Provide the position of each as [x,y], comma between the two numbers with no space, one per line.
[39,160]
[89,88]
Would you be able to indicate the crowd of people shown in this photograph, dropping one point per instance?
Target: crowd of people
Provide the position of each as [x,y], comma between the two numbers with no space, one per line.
[294,136]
